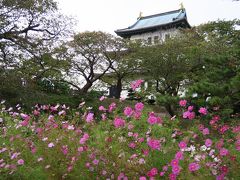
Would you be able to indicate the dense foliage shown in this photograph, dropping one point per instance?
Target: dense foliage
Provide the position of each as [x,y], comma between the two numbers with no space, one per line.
[124,142]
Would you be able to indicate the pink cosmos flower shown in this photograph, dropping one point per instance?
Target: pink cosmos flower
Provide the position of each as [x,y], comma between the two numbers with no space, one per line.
[101,108]
[172,176]
[203,111]
[139,106]
[208,142]
[128,111]
[212,122]
[142,178]
[122,176]
[122,99]
[165,168]
[62,113]
[189,115]
[223,152]
[112,106]
[154,144]
[130,126]
[36,113]
[89,117]
[237,145]
[25,122]
[39,130]
[236,129]
[119,122]
[14,155]
[152,120]
[104,172]
[153,172]
[25,116]
[145,152]
[179,155]
[95,161]
[64,149]
[40,159]
[183,103]
[175,170]
[141,161]
[220,177]
[86,136]
[182,145]
[193,166]
[50,145]
[200,127]
[102,98]
[190,108]
[33,149]
[161,173]
[174,162]
[132,145]
[223,129]
[20,162]
[80,149]
[219,144]
[205,131]
[104,116]
[137,115]
[136,84]
[141,140]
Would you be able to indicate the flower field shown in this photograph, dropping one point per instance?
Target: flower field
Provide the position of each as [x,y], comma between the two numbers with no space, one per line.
[117,142]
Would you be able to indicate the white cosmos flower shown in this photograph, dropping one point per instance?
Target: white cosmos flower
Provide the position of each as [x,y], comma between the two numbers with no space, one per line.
[203,148]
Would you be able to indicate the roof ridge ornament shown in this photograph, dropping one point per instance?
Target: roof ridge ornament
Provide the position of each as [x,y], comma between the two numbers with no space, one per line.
[140,15]
[181,6]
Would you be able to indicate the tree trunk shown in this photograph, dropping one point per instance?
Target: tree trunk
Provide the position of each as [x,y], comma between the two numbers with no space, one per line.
[86,87]
[119,88]
[169,109]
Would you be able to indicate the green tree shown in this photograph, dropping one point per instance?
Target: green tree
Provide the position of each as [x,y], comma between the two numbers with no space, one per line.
[217,79]
[27,25]
[30,31]
[170,66]
[124,67]
[91,55]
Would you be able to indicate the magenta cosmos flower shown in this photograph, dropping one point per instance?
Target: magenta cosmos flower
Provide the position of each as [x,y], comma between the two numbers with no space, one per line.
[203,110]
[118,122]
[193,166]
[205,131]
[176,170]
[223,152]
[154,144]
[20,162]
[89,117]
[174,162]
[139,106]
[128,111]
[179,155]
[153,172]
[136,84]
[183,103]
[208,142]
[182,145]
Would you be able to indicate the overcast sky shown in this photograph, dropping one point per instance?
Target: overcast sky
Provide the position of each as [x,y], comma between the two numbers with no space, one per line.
[109,15]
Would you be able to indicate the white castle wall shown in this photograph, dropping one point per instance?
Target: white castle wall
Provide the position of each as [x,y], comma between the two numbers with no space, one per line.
[162,34]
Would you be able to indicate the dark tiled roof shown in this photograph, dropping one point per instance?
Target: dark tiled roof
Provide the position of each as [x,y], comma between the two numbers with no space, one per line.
[177,18]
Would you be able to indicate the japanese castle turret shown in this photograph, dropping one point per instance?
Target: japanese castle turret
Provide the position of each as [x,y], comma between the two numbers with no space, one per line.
[156,28]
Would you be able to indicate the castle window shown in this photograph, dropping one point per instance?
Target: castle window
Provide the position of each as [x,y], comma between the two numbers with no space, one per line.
[167,36]
[156,39]
[149,40]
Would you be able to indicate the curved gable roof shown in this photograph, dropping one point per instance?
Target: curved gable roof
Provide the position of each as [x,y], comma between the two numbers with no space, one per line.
[152,22]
